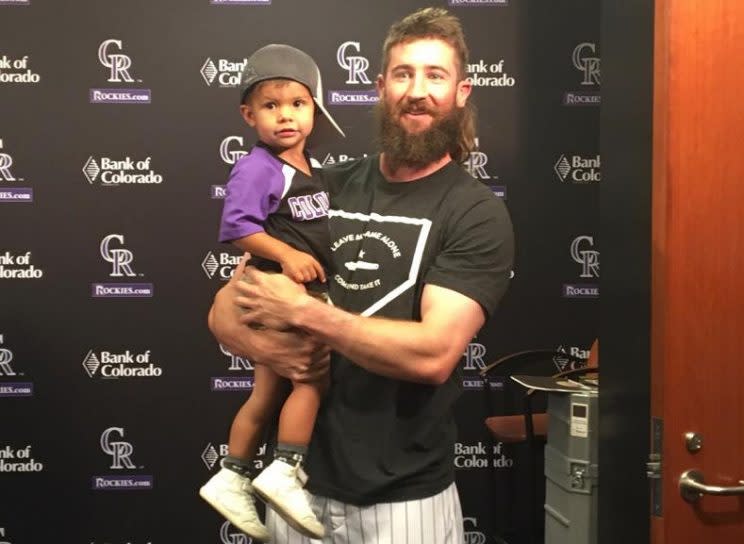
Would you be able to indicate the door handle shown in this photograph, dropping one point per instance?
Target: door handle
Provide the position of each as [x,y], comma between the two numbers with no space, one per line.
[692,487]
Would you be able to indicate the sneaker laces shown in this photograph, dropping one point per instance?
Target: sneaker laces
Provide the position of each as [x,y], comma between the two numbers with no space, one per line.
[300,474]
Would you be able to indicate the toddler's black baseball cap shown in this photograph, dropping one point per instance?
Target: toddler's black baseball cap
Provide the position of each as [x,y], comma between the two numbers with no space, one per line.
[280,61]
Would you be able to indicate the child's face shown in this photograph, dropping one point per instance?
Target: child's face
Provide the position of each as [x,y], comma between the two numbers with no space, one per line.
[282,113]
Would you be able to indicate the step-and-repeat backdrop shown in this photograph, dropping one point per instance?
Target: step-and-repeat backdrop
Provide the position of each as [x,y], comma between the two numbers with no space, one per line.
[118,126]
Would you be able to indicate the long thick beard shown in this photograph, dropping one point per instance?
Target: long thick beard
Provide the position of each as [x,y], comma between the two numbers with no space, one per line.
[419,149]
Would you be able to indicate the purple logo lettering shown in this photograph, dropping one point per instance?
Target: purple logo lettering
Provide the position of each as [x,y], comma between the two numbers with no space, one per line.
[353,98]
[17,194]
[120,96]
[16,389]
[122,290]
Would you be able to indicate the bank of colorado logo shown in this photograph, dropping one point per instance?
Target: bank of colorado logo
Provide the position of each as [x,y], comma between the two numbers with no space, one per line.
[122,267]
[563,362]
[8,371]
[119,69]
[356,66]
[213,453]
[210,455]
[339,158]
[489,74]
[12,194]
[578,169]
[115,172]
[220,265]
[108,365]
[128,474]
[585,60]
[480,455]
[18,460]
[222,72]
[17,70]
[583,253]
[18,266]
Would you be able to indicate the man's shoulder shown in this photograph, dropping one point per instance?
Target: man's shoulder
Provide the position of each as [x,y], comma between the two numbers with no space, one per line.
[462,185]
[464,200]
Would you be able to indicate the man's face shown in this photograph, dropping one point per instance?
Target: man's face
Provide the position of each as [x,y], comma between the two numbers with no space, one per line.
[420,112]
[421,84]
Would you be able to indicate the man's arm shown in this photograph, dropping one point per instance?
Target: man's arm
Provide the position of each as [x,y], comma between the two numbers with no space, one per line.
[425,351]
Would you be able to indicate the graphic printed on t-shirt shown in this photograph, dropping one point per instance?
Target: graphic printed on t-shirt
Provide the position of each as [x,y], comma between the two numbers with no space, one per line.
[378,256]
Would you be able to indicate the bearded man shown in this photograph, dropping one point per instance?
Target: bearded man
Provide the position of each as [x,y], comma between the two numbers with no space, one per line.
[422,255]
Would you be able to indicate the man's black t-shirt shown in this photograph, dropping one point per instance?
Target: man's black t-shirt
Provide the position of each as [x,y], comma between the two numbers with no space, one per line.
[379,439]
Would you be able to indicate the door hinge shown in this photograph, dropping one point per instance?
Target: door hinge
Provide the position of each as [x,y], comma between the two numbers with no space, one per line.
[654,465]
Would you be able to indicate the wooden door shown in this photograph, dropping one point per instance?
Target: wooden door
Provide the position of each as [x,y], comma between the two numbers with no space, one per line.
[697,335]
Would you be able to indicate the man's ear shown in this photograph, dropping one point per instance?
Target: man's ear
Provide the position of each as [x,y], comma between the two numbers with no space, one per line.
[380,84]
[462,92]
[246,112]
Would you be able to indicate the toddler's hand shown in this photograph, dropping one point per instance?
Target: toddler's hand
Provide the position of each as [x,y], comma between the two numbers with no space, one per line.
[301,267]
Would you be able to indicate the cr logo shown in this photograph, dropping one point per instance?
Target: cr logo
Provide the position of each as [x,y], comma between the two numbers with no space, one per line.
[120,452]
[475,164]
[6,356]
[119,258]
[117,62]
[236,362]
[229,537]
[355,64]
[228,155]
[588,65]
[473,537]
[587,258]
[6,162]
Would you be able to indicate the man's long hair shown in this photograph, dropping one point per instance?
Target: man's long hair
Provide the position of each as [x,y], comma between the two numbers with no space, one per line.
[438,23]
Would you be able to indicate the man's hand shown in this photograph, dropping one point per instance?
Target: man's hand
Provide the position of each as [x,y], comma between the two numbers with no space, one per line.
[270,299]
[292,354]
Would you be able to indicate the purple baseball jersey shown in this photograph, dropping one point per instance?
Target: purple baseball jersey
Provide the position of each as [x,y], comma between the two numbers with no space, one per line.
[266,194]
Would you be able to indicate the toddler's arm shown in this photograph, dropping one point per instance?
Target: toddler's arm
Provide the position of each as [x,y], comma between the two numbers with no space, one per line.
[298,265]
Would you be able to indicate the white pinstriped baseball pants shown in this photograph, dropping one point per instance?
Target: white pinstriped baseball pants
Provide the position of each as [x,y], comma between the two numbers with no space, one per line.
[432,520]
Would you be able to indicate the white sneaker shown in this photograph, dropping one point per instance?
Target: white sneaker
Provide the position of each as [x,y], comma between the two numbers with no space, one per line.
[280,485]
[232,496]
